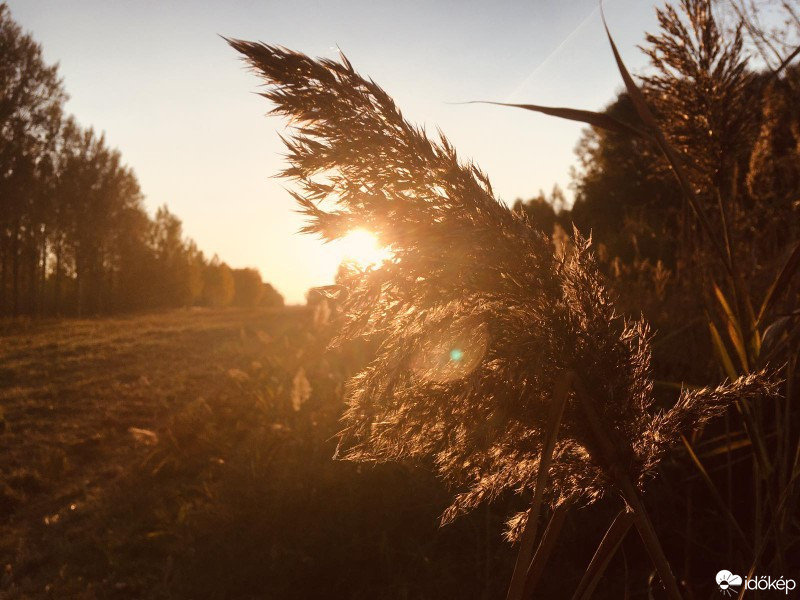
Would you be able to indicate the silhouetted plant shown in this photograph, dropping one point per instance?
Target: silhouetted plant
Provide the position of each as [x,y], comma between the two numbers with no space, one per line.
[485,329]
[700,90]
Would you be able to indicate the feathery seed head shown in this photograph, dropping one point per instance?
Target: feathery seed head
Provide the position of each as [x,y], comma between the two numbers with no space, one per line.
[476,313]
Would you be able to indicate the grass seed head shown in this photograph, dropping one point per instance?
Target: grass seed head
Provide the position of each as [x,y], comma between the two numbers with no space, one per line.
[476,313]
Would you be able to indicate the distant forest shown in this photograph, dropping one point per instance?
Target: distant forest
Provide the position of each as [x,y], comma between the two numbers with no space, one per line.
[75,238]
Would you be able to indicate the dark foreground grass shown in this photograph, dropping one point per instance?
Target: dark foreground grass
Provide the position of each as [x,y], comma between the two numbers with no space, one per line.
[188,455]
[80,400]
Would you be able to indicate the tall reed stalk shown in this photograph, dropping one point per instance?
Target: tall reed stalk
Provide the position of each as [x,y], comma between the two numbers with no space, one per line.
[707,102]
[501,359]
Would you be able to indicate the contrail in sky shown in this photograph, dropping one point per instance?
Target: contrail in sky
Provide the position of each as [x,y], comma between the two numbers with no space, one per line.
[555,51]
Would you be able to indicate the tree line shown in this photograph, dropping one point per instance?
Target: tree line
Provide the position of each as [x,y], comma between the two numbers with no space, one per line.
[75,238]
[739,128]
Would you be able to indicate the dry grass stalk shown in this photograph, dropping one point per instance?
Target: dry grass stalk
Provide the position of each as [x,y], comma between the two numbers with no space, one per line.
[476,313]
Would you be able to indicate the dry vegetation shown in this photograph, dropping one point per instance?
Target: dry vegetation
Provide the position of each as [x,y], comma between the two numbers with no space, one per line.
[486,372]
[161,456]
[83,403]
[501,357]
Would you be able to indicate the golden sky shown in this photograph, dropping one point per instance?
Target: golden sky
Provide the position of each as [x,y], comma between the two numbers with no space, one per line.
[179,105]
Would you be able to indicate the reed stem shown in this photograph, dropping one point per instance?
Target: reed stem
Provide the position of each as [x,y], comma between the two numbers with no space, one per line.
[603,555]
[560,393]
[545,548]
[641,519]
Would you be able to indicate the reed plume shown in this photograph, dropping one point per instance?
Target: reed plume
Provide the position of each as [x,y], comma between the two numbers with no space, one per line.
[700,88]
[477,314]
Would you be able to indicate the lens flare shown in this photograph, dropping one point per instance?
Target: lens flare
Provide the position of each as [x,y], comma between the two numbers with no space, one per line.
[453,353]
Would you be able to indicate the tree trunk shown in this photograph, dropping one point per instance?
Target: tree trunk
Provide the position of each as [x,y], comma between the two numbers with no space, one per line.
[15,270]
[3,271]
[80,275]
[33,274]
[57,283]
[43,278]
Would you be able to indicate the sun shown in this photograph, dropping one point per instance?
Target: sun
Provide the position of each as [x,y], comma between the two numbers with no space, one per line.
[363,248]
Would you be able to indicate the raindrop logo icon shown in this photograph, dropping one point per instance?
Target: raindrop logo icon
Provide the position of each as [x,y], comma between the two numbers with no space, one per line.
[727,580]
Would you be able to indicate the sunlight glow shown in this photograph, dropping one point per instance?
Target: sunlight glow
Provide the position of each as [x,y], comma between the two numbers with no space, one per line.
[362,247]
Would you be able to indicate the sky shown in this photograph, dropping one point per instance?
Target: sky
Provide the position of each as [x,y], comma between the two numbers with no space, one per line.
[181,107]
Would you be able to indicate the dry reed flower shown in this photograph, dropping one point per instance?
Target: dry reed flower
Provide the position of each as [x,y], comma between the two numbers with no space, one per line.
[699,87]
[301,389]
[477,313]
